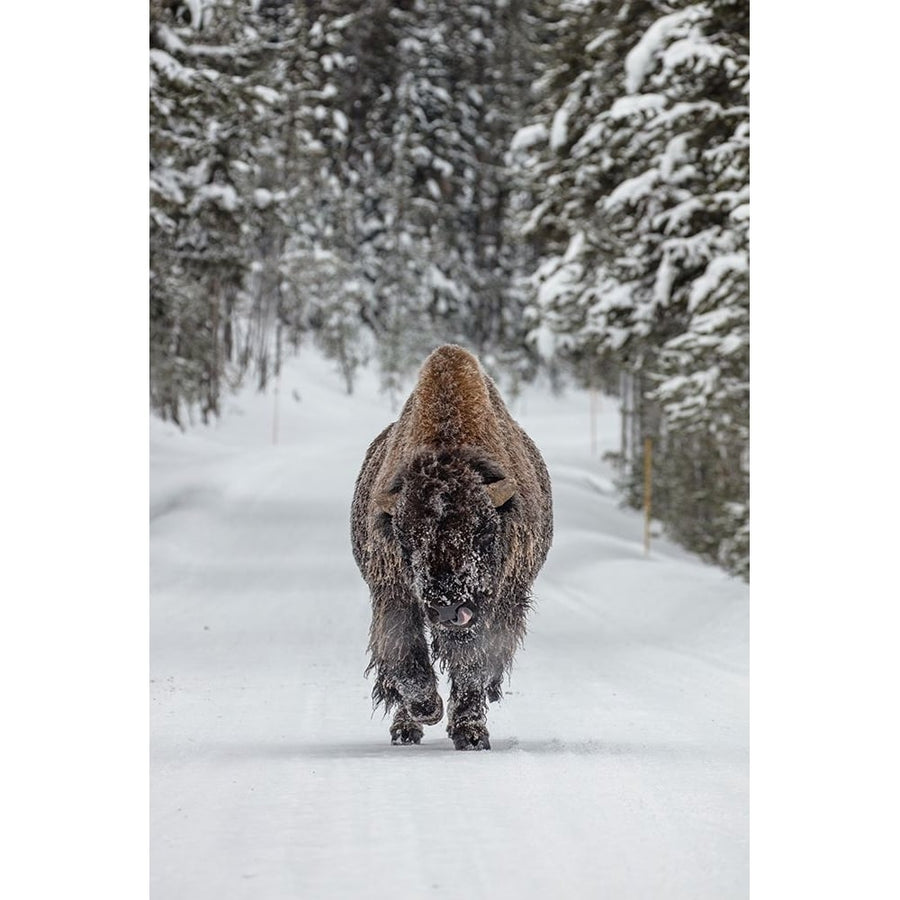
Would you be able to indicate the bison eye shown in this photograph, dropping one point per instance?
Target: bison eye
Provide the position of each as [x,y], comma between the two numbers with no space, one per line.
[384,522]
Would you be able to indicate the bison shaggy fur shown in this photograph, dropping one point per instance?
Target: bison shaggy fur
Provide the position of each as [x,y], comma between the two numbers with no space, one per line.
[451,522]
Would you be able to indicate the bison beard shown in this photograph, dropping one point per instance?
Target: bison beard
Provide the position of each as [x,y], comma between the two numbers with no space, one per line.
[451,522]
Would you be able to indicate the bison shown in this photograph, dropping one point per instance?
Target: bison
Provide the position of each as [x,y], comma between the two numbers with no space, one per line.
[451,522]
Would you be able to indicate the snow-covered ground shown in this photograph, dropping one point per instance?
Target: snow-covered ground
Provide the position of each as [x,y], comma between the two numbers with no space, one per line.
[619,766]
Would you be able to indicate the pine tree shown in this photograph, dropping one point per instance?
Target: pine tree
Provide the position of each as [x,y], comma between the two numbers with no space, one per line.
[195,229]
[230,195]
[427,95]
[335,168]
[639,161]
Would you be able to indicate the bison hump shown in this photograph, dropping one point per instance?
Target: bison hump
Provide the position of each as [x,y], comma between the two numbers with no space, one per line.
[451,402]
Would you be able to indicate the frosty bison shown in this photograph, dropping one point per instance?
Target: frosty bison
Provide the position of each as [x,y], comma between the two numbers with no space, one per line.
[451,522]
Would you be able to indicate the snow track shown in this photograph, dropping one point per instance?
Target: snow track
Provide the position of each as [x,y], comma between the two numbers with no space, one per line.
[619,761]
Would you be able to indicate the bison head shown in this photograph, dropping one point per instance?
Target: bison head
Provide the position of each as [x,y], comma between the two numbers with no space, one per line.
[445,512]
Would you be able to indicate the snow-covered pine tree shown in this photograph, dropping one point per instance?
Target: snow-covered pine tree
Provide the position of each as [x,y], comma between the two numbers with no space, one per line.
[427,93]
[234,169]
[640,174]
[335,167]
[198,161]
[195,271]
[575,309]
[702,374]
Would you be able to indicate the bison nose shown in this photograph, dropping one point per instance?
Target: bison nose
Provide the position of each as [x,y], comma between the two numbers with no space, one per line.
[458,614]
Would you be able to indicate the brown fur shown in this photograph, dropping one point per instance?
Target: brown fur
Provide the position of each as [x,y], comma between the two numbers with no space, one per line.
[453,501]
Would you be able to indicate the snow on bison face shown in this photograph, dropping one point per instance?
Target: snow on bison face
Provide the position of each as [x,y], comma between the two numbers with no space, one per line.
[445,511]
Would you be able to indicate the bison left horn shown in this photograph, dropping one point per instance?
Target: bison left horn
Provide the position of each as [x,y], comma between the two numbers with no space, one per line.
[501,491]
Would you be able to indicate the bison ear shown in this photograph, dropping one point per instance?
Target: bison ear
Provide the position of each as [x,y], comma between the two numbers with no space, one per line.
[385,502]
[501,491]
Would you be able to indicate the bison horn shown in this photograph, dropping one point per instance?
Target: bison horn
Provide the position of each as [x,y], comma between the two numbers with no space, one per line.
[386,502]
[501,491]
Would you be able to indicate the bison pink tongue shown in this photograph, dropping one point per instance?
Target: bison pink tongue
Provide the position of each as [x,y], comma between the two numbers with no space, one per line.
[463,616]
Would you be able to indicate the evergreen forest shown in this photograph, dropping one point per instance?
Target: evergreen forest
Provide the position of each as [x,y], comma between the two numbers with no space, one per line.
[562,187]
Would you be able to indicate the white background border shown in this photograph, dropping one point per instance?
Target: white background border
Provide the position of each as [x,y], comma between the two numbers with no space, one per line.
[73,643]
[74,582]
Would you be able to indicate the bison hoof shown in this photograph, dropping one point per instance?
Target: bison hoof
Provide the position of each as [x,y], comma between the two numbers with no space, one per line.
[427,712]
[406,733]
[471,737]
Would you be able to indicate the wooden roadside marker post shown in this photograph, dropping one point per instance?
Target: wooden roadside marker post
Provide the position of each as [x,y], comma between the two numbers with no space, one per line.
[275,411]
[648,491]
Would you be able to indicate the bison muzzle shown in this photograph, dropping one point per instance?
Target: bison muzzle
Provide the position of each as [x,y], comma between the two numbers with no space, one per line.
[451,522]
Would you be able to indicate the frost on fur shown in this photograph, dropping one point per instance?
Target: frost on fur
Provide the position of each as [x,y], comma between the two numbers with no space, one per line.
[451,522]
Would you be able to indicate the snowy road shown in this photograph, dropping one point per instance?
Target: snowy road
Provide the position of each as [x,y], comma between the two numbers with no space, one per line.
[619,764]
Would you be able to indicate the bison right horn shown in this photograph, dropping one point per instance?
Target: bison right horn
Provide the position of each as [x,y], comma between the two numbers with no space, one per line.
[501,491]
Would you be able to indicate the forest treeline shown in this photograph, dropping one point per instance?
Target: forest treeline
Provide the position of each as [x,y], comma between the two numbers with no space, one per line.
[558,185]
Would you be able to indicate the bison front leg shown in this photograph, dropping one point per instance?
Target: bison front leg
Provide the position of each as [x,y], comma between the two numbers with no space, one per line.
[466,717]
[477,668]
[404,676]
